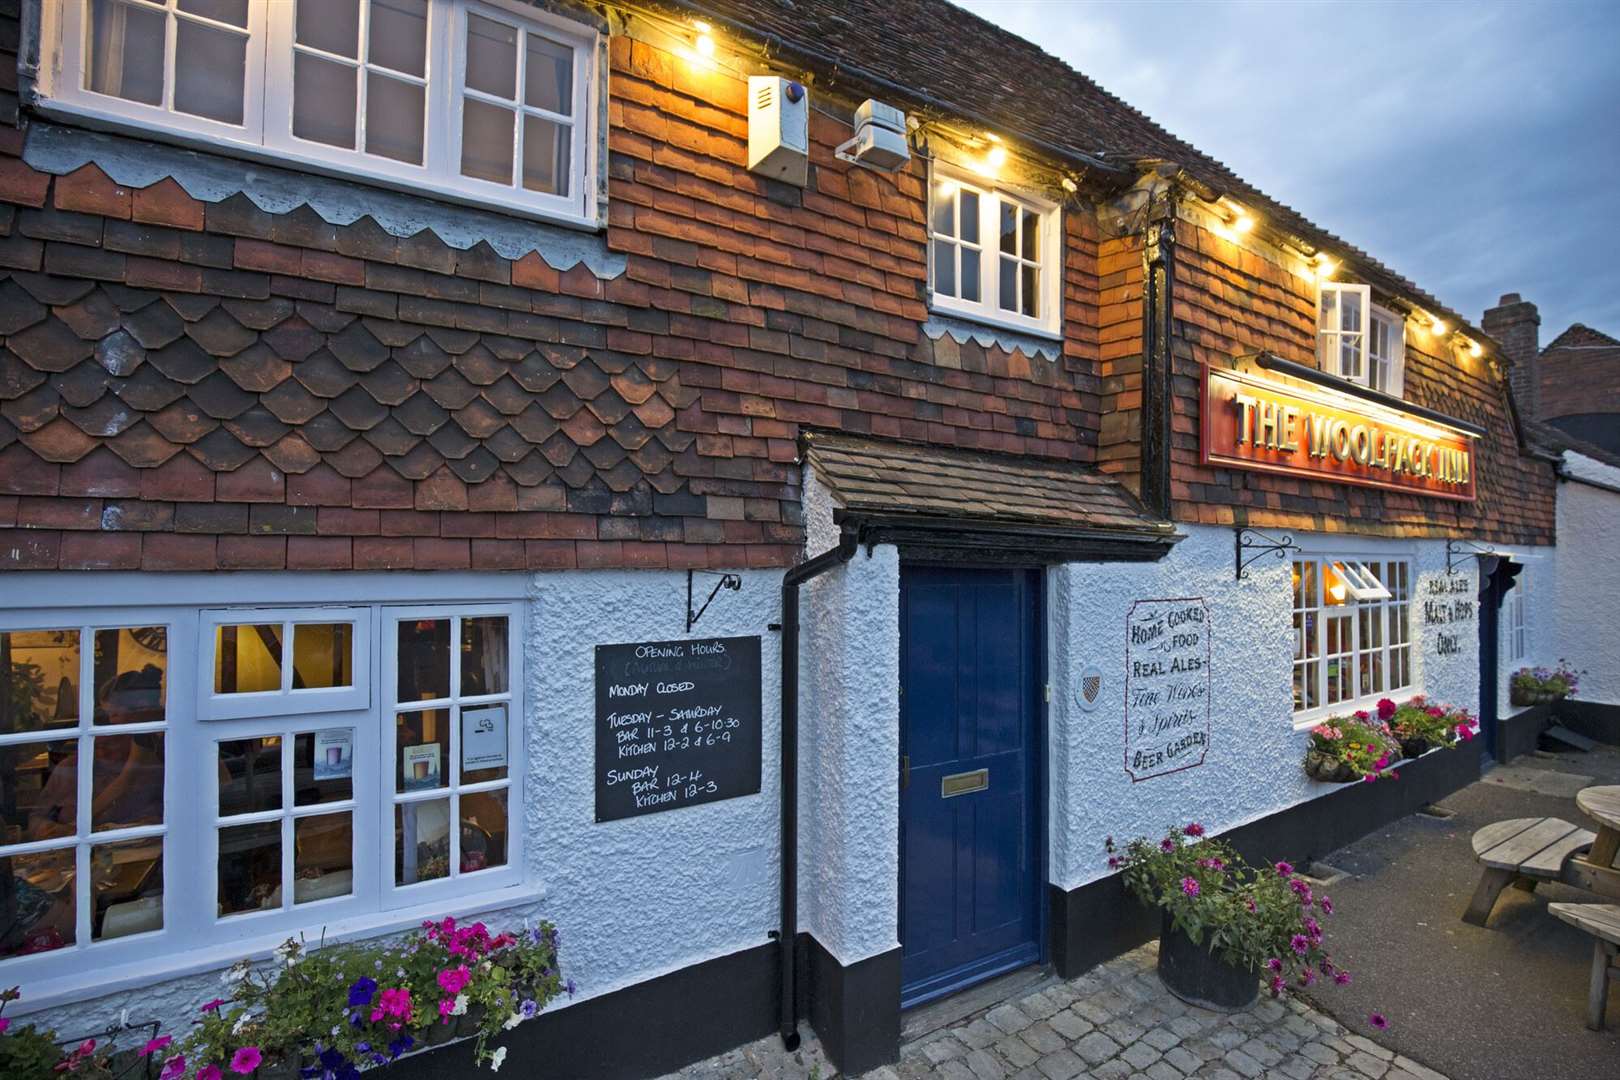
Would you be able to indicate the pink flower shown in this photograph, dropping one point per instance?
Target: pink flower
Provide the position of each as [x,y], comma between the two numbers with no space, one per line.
[1194,829]
[1274,964]
[1342,978]
[1189,886]
[209,1072]
[1277,985]
[394,1003]
[1299,943]
[1361,714]
[4,1023]
[1369,779]
[156,1044]
[1113,862]
[1326,904]
[446,1005]
[246,1060]
[1167,845]
[1379,1022]
[174,1068]
[213,1006]
[1285,869]
[453,980]
[1386,708]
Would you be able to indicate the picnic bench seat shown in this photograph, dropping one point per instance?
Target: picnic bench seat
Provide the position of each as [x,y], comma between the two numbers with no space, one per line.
[1602,921]
[1523,852]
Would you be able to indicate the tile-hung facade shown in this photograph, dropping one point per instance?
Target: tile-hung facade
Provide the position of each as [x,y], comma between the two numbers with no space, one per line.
[382,381]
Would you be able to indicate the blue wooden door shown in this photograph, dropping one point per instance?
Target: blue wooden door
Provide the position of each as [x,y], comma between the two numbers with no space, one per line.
[970,825]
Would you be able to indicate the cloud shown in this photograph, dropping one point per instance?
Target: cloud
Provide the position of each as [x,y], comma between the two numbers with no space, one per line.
[1474,148]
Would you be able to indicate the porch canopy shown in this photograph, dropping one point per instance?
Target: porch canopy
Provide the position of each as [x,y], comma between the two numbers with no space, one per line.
[941,504]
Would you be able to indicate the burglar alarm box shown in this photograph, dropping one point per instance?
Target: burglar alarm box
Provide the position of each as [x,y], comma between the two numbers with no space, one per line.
[778,128]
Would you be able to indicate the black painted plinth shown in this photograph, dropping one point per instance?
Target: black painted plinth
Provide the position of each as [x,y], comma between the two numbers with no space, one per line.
[855,1010]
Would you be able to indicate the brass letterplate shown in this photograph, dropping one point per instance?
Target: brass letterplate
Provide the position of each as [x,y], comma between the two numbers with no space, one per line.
[963,783]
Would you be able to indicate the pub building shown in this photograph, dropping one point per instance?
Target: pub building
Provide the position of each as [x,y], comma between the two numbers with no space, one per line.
[733,479]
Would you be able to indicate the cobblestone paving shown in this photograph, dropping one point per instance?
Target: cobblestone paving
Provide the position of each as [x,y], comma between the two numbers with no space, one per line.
[1116,1022]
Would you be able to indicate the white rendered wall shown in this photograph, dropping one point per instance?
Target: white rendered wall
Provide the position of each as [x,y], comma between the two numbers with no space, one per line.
[1588,589]
[849,745]
[1541,622]
[1254,764]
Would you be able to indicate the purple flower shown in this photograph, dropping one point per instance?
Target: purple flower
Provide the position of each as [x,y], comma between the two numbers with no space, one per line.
[1326,904]
[1299,943]
[1274,964]
[570,987]
[1113,862]
[1194,829]
[529,1008]
[1167,845]
[1342,978]
[1379,1022]
[1189,886]
[1277,985]
[361,992]
[1285,869]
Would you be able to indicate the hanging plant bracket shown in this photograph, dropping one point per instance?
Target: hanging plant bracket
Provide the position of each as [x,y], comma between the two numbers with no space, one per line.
[727,581]
[1261,544]
[1460,551]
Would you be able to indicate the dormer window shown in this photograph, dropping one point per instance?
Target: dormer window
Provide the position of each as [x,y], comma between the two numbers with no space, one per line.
[995,256]
[1357,341]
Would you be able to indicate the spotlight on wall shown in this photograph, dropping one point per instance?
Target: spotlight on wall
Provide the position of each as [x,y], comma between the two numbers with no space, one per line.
[1438,328]
[1325,267]
[1475,350]
[1242,223]
[705,41]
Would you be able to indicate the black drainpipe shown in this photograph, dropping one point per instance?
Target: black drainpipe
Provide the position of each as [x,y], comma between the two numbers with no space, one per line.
[787,940]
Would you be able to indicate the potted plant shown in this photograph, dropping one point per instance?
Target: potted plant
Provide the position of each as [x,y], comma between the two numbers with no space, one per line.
[1343,749]
[1420,726]
[1226,925]
[1540,685]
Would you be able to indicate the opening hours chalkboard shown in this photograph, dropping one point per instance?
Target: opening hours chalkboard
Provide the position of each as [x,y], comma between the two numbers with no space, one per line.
[677,724]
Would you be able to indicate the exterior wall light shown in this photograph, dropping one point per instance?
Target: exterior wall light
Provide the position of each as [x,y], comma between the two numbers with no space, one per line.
[705,41]
[1325,268]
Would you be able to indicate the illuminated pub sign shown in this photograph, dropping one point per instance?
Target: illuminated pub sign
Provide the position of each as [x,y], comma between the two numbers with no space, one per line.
[1252,422]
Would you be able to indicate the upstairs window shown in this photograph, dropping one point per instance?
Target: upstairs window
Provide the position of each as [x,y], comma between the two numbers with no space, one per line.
[1357,341]
[994,256]
[482,102]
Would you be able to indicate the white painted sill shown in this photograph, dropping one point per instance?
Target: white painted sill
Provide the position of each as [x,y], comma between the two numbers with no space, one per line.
[969,313]
[94,982]
[1305,721]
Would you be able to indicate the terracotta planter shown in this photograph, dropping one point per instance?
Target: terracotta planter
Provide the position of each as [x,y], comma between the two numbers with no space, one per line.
[1327,769]
[1198,977]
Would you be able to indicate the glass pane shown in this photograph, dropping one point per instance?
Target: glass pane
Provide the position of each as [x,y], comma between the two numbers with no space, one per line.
[41,671]
[944,219]
[1313,684]
[970,274]
[484,743]
[1350,356]
[323,655]
[126,45]
[398,35]
[247,658]
[249,775]
[970,216]
[1030,294]
[330,25]
[1350,313]
[486,141]
[491,57]
[128,883]
[424,660]
[249,867]
[323,857]
[323,101]
[483,830]
[39,790]
[1032,236]
[323,766]
[1009,284]
[944,268]
[394,113]
[225,11]
[421,841]
[128,781]
[545,155]
[422,750]
[1330,310]
[1009,228]
[484,656]
[131,666]
[37,896]
[210,67]
[548,78]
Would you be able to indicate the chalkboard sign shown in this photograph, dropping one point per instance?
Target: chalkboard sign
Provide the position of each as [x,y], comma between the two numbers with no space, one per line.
[677,724]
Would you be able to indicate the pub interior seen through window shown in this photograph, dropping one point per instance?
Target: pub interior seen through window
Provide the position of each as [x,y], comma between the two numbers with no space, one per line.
[1352,631]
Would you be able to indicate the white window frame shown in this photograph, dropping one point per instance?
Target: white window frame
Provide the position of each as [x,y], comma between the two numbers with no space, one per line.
[1392,610]
[287,700]
[194,937]
[988,307]
[1518,620]
[1332,337]
[266,133]
[1386,373]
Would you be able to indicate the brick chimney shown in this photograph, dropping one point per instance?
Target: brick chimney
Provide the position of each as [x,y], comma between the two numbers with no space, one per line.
[1517,325]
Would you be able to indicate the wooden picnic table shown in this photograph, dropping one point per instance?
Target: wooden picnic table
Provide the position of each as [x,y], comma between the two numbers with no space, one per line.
[1602,805]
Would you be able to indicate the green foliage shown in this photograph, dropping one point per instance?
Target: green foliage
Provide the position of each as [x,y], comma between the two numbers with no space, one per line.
[1364,744]
[27,1053]
[1561,681]
[1266,920]
[1439,725]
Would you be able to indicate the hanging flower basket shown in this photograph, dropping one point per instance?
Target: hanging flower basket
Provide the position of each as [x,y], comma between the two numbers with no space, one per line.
[1327,768]
[1521,696]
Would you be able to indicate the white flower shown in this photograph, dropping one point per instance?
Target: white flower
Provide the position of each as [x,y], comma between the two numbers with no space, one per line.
[513,1021]
[241,1022]
[460,1006]
[497,1059]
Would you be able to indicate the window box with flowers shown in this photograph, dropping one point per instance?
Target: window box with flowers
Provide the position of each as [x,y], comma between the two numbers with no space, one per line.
[1541,685]
[1365,745]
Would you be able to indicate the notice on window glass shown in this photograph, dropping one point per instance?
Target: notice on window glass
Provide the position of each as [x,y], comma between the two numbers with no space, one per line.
[421,767]
[1166,686]
[334,754]
[483,738]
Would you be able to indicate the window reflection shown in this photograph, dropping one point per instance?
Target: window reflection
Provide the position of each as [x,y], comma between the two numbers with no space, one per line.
[421,841]
[424,660]
[41,673]
[483,831]
[484,656]
[249,775]
[131,672]
[323,857]
[128,883]
[37,897]
[249,867]
[247,659]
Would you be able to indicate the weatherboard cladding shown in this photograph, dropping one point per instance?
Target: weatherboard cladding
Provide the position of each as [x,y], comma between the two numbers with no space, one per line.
[189,384]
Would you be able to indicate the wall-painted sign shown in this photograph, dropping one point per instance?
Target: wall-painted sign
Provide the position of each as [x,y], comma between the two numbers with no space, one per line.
[1251,422]
[483,737]
[1166,686]
[677,724]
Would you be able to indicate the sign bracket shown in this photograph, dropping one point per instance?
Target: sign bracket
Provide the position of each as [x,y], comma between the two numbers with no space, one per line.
[727,581]
[1262,544]
[1460,551]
